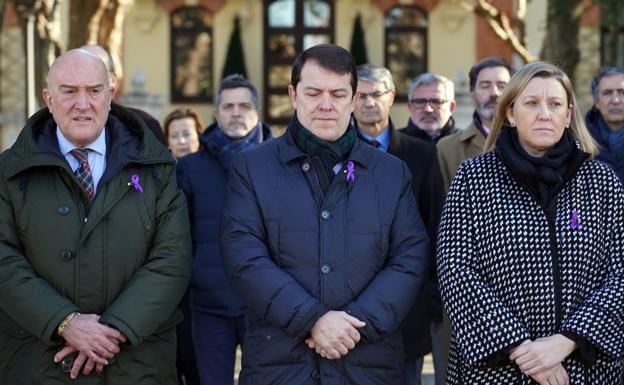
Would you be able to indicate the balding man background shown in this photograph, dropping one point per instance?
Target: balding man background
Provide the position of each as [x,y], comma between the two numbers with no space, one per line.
[94,241]
[115,82]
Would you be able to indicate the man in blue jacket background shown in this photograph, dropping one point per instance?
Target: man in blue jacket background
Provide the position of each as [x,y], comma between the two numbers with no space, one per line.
[217,312]
[322,239]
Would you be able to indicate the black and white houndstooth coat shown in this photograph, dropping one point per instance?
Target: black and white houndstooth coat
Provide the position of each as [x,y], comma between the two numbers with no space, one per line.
[503,281]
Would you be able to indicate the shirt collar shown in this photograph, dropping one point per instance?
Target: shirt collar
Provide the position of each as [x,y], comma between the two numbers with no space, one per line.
[98,145]
[383,138]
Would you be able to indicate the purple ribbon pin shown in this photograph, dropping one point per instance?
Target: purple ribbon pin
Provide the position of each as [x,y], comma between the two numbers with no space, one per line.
[135,182]
[574,221]
[350,171]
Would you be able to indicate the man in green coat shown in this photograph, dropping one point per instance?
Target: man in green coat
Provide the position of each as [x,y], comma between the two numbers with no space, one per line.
[94,241]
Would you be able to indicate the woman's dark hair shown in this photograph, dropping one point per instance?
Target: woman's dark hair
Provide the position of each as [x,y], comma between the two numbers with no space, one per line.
[182,113]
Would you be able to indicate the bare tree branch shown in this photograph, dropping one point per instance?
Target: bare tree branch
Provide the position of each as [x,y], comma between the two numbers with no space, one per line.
[501,25]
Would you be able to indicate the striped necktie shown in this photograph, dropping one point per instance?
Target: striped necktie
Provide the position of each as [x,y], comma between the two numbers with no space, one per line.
[83,172]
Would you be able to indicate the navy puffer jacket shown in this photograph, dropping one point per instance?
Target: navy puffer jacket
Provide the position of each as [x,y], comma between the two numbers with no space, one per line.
[203,180]
[293,253]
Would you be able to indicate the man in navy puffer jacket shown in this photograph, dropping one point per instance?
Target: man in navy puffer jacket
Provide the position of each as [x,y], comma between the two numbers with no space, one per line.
[217,312]
[322,239]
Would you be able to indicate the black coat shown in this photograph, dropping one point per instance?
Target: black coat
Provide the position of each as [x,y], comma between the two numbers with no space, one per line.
[428,188]
[510,271]
[293,253]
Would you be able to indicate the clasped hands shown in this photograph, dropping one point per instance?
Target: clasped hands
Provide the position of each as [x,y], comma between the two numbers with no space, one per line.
[541,359]
[334,334]
[95,343]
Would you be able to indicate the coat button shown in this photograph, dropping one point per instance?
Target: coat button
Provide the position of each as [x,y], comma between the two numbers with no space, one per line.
[63,210]
[325,214]
[67,255]
[316,375]
[305,167]
[325,268]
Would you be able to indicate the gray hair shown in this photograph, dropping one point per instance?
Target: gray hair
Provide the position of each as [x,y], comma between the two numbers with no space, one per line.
[428,79]
[375,73]
[605,71]
[237,81]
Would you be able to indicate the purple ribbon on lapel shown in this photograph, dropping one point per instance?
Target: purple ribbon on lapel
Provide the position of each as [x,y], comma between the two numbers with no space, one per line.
[135,182]
[350,171]
[574,221]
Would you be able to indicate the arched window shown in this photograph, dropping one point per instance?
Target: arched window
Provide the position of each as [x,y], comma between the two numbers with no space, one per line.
[191,55]
[291,26]
[612,40]
[406,45]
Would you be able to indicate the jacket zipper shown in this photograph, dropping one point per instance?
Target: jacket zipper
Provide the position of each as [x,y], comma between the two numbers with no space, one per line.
[550,212]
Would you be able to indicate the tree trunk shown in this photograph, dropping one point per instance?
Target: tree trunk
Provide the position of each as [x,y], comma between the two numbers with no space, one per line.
[562,37]
[99,22]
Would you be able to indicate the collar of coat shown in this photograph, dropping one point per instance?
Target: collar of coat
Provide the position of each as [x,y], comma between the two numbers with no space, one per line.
[126,142]
[413,130]
[472,133]
[360,153]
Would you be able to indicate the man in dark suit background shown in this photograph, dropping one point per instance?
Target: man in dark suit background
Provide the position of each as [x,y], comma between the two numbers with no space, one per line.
[376,96]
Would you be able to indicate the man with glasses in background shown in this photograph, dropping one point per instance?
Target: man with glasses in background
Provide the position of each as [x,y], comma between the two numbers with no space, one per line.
[488,78]
[374,126]
[431,104]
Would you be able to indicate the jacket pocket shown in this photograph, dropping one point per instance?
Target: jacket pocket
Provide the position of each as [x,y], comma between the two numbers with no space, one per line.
[273,236]
[10,327]
[384,244]
[23,219]
[146,219]
[144,215]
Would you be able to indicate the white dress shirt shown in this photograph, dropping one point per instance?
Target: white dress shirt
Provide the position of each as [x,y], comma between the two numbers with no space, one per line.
[96,157]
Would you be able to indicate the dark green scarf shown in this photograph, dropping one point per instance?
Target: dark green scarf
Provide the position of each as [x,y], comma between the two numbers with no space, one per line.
[328,153]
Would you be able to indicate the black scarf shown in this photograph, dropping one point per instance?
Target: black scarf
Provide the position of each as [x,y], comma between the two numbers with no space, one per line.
[328,154]
[544,176]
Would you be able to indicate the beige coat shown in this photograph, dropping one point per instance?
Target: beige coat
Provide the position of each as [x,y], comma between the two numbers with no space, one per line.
[455,148]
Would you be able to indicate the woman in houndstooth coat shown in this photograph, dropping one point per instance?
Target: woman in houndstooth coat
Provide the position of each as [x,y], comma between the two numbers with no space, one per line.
[531,247]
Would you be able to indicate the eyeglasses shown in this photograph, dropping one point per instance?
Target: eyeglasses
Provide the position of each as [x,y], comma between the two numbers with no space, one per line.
[421,103]
[374,95]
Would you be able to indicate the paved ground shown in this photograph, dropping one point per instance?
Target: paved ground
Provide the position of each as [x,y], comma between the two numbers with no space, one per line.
[427,378]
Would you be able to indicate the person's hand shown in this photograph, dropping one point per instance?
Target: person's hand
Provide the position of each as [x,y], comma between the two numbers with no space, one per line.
[97,341]
[78,362]
[542,354]
[557,375]
[334,334]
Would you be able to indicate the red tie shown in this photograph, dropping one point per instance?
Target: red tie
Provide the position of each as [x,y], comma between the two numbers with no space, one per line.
[83,172]
[375,143]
